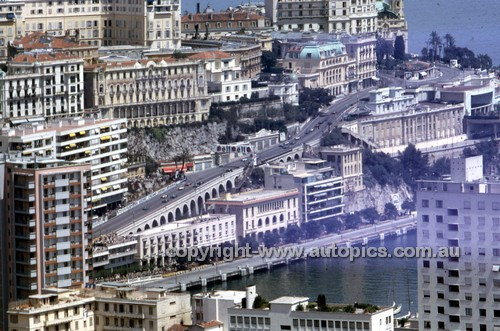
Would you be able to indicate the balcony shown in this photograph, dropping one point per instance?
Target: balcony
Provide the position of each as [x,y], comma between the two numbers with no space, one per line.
[64,271]
[62,233]
[63,245]
[63,258]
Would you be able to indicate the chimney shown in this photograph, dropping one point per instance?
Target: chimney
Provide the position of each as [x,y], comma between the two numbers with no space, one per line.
[197,8]
[251,295]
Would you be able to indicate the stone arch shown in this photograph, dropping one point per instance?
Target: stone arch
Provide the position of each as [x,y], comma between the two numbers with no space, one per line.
[207,196]
[130,233]
[289,159]
[297,157]
[267,221]
[214,193]
[170,217]
[281,161]
[259,222]
[201,205]
[275,219]
[178,214]
[229,186]
[146,227]
[138,230]
[185,211]
[282,218]
[222,189]
[155,224]
[163,220]
[194,211]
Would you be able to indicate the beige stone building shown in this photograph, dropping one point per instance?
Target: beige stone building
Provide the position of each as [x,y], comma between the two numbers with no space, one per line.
[109,307]
[154,23]
[10,25]
[348,163]
[159,91]
[391,20]
[321,65]
[259,212]
[353,16]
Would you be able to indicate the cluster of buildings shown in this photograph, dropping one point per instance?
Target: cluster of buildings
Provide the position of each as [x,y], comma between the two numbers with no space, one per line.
[115,306]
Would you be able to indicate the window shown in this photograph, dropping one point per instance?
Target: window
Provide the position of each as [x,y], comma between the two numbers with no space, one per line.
[481,205]
[425,218]
[425,203]
[439,203]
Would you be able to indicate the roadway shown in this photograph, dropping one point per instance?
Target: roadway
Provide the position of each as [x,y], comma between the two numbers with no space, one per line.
[319,124]
[172,281]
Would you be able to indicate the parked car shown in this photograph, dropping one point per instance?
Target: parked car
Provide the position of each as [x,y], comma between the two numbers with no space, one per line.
[181,188]
[164,196]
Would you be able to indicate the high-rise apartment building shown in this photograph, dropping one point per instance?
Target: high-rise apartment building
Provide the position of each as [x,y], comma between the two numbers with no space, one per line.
[152,23]
[45,222]
[148,92]
[41,86]
[460,292]
[351,16]
[102,143]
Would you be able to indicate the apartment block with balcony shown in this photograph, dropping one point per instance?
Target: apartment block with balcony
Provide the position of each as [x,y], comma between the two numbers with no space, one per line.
[102,143]
[347,162]
[201,231]
[41,86]
[260,211]
[47,225]
[112,251]
[147,93]
[321,192]
[462,212]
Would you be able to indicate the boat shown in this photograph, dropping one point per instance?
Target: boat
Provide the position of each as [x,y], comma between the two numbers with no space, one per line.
[408,315]
[397,309]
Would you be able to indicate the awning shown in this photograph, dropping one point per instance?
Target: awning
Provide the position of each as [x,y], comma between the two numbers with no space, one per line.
[105,188]
[72,145]
[105,138]
[82,133]
[72,134]
[115,157]
[26,153]
[66,147]
[115,136]
[496,268]
[116,187]
[114,126]
[87,152]
[103,179]
[98,191]
[104,127]
[423,73]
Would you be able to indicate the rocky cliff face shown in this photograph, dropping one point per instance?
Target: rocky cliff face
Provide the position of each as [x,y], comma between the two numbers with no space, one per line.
[165,143]
[377,196]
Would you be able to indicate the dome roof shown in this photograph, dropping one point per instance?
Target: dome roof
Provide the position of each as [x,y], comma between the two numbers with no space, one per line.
[321,51]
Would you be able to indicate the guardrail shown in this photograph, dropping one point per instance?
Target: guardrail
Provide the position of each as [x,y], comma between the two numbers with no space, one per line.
[137,202]
[174,204]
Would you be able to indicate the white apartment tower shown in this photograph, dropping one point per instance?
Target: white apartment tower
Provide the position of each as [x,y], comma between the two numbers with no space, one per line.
[460,293]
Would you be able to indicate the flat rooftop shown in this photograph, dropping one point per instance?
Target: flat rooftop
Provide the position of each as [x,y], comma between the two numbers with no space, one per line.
[223,295]
[289,300]
[255,196]
[185,223]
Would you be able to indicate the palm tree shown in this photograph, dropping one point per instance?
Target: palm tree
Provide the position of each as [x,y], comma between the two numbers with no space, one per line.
[436,42]
[450,40]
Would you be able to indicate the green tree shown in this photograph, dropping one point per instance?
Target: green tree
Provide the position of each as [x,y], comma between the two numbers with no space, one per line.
[321,301]
[257,176]
[408,206]
[260,302]
[352,221]
[250,241]
[399,48]
[440,167]
[414,165]
[332,225]
[334,138]
[316,95]
[485,61]
[312,229]
[268,60]
[449,40]
[370,214]
[271,239]
[292,234]
[390,211]
[436,42]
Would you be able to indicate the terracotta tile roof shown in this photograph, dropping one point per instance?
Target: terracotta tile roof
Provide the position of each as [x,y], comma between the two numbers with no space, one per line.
[210,55]
[40,40]
[177,327]
[130,63]
[221,16]
[210,324]
[44,57]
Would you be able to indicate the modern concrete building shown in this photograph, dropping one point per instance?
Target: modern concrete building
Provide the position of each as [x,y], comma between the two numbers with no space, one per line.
[321,191]
[348,164]
[330,16]
[112,251]
[200,231]
[461,292]
[100,143]
[41,86]
[110,306]
[259,212]
[148,93]
[234,309]
[47,227]
[288,91]
[152,23]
